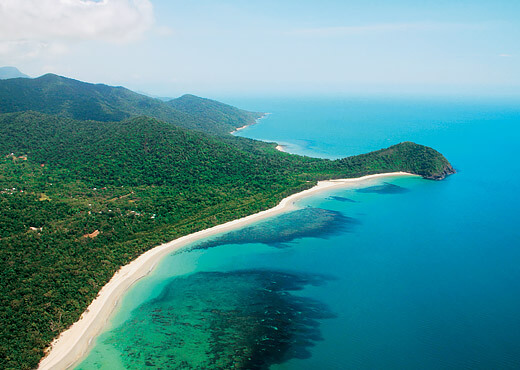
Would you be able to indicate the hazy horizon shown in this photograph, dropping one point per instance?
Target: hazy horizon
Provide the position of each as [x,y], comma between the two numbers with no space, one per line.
[168,48]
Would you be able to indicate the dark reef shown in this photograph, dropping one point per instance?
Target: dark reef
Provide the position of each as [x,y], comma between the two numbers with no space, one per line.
[341,199]
[213,320]
[280,230]
[385,188]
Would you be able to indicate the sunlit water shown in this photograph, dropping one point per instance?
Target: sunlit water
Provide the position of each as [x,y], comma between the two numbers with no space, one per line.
[401,273]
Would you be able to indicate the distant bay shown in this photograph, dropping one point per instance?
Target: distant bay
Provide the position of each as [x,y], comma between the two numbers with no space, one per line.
[410,274]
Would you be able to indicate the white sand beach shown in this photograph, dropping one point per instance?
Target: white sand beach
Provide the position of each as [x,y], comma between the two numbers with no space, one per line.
[239,128]
[251,124]
[73,344]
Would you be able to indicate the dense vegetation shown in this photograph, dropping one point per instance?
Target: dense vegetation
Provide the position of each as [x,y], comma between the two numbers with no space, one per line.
[70,98]
[81,198]
[222,117]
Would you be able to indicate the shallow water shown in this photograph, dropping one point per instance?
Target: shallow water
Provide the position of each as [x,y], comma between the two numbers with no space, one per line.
[420,274]
[281,230]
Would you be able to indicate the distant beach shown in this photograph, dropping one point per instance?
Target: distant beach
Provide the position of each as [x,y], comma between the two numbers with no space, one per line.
[240,128]
[73,344]
[254,123]
[281,148]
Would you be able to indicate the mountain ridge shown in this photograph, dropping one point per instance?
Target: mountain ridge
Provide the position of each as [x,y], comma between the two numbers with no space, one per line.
[11,72]
[54,94]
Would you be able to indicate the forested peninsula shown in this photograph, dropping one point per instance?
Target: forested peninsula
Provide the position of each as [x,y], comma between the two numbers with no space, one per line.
[92,176]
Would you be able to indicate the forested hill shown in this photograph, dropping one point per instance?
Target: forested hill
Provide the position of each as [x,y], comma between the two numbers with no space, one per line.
[214,112]
[70,98]
[81,198]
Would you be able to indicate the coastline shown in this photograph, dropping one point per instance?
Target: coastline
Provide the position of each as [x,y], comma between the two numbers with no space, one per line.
[73,344]
[251,124]
[281,148]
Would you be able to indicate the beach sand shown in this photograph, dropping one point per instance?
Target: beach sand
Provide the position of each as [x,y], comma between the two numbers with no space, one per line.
[240,128]
[73,344]
[251,124]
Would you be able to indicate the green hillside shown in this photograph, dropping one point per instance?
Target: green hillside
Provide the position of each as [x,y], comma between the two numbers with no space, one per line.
[214,113]
[81,198]
[70,98]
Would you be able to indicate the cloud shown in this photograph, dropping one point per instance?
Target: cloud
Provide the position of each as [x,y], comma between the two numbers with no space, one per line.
[48,21]
[25,49]
[505,55]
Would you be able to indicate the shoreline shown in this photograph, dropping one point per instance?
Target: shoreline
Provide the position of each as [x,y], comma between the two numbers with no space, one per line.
[281,148]
[73,344]
[251,124]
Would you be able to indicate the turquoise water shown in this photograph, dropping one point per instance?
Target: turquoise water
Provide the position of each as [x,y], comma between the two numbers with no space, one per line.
[401,273]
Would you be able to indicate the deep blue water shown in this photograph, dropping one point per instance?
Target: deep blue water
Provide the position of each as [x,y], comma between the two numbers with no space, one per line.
[424,276]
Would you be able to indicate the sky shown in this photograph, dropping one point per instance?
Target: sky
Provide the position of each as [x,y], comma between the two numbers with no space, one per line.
[269,47]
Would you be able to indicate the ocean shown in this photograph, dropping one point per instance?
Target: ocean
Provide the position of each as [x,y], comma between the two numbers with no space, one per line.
[398,273]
